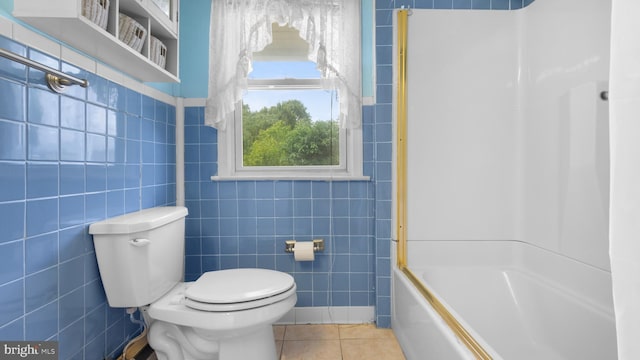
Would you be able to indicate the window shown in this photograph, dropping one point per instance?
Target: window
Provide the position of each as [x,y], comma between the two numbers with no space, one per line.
[288,120]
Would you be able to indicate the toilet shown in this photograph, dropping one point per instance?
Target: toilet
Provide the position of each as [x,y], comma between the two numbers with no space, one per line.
[224,315]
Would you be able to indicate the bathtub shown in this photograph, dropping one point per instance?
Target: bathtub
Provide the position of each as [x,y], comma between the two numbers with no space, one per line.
[516,300]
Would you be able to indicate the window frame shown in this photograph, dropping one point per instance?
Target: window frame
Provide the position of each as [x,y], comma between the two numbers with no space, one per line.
[230,144]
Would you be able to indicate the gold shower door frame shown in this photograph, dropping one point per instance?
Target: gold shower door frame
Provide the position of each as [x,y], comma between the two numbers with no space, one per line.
[401,195]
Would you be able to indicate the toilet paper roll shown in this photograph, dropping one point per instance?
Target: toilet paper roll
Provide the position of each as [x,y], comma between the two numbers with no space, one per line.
[303,251]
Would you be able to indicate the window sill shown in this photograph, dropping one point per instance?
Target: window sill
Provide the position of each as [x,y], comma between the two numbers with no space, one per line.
[336,177]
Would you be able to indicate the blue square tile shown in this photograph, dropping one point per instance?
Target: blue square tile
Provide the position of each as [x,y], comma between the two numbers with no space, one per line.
[12,303]
[96,119]
[71,307]
[72,113]
[462,4]
[42,180]
[283,208]
[148,107]
[72,179]
[98,91]
[10,68]
[133,149]
[246,189]
[72,242]
[117,97]
[264,189]
[147,130]
[96,177]
[116,124]
[283,189]
[41,288]
[13,181]
[443,4]
[133,102]
[148,174]
[302,189]
[11,260]
[43,107]
[481,4]
[116,177]
[133,126]
[13,140]
[95,207]
[42,216]
[71,340]
[72,145]
[71,211]
[95,348]
[247,208]
[302,207]
[12,221]
[321,226]
[42,143]
[500,4]
[340,298]
[96,148]
[424,4]
[228,227]
[71,275]
[321,207]
[12,102]
[42,323]
[41,252]
[320,189]
[94,295]
[95,323]
[515,4]
[147,151]
[116,150]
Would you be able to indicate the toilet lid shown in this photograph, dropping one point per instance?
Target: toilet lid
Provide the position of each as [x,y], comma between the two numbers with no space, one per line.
[237,289]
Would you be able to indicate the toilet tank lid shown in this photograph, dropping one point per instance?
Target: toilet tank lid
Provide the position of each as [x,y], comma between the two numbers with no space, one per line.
[143,220]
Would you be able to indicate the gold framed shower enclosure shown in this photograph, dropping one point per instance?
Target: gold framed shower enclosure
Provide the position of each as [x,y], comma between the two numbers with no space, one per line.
[401,194]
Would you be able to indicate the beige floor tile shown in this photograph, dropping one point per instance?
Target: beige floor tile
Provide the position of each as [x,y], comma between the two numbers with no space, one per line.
[312,332]
[311,350]
[366,349]
[278,332]
[279,344]
[364,331]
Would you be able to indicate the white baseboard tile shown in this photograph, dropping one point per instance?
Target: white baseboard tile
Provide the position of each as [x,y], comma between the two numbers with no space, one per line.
[329,315]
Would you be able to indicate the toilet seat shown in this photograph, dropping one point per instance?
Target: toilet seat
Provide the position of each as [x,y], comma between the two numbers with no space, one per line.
[238,289]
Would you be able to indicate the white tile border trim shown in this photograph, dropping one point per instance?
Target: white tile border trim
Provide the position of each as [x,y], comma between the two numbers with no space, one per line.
[329,315]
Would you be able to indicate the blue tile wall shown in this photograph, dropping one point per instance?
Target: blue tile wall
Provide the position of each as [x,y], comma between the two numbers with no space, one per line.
[67,161]
[235,224]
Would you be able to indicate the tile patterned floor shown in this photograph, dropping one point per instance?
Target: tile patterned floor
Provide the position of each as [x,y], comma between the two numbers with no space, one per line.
[336,342]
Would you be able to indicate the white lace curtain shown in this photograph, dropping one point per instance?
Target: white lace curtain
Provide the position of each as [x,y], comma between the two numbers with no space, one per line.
[241,27]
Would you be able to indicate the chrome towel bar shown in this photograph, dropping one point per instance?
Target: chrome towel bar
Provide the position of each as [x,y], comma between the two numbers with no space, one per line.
[56,80]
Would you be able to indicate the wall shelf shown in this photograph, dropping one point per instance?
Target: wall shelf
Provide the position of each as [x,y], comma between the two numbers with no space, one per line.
[64,21]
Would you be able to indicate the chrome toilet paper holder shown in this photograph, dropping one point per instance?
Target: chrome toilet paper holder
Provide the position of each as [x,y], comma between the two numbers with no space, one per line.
[318,245]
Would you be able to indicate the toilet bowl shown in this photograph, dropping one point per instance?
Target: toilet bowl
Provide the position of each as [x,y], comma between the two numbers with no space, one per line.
[224,315]
[234,324]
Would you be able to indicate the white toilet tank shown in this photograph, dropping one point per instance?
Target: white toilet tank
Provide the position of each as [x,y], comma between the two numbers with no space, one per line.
[140,254]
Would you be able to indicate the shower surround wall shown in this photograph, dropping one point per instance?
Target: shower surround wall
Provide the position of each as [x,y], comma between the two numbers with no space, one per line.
[67,161]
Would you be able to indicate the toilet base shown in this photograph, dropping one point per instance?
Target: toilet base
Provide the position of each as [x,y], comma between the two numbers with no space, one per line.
[173,342]
[259,345]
